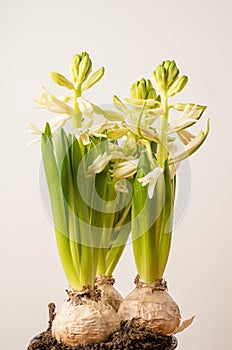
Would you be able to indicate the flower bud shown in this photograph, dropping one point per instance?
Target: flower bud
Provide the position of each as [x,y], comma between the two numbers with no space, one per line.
[74,66]
[172,73]
[134,91]
[130,146]
[85,68]
[60,80]
[160,78]
[151,94]
[178,85]
[80,67]
[165,75]
[142,89]
[95,77]
[166,64]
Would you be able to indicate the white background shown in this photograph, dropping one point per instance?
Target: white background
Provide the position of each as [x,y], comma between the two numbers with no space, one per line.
[129,38]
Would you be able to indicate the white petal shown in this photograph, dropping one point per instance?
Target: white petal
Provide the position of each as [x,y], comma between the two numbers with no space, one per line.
[125,169]
[192,146]
[85,106]
[35,130]
[98,135]
[143,130]
[181,124]
[99,163]
[33,141]
[85,139]
[49,101]
[151,179]
[151,188]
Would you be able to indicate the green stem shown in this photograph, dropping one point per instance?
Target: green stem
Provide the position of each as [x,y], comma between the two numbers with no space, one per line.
[77,118]
[162,148]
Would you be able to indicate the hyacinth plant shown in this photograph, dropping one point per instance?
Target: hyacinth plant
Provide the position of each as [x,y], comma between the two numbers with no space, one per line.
[112,173]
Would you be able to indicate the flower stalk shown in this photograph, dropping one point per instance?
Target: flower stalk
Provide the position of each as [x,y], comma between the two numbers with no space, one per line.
[162,147]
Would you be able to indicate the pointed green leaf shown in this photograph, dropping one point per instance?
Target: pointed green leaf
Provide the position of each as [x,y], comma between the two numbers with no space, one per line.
[58,210]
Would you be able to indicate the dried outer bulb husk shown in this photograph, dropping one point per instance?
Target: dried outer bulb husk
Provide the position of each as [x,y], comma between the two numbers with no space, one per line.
[108,292]
[153,308]
[84,319]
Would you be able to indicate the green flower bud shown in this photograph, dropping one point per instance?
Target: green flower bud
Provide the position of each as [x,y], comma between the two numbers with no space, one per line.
[60,79]
[160,78]
[85,68]
[172,73]
[74,66]
[166,64]
[178,85]
[165,75]
[134,91]
[130,146]
[95,77]
[142,90]
[151,94]
[148,84]
[80,67]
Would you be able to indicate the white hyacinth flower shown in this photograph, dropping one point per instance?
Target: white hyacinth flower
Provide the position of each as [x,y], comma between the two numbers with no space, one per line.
[53,104]
[99,163]
[189,117]
[85,106]
[88,108]
[151,179]
[56,124]
[125,169]
[91,127]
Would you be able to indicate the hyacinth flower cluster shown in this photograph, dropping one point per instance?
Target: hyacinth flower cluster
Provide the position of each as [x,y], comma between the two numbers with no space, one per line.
[111,172]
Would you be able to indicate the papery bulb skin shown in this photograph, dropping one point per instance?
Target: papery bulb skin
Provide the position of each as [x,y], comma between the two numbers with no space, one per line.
[84,319]
[108,292]
[153,308]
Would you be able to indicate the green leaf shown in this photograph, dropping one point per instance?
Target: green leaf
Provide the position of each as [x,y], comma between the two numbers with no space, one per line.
[143,218]
[58,210]
[62,147]
[115,252]
[167,220]
[47,130]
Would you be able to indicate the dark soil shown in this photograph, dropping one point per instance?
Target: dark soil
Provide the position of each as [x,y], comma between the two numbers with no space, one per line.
[130,336]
